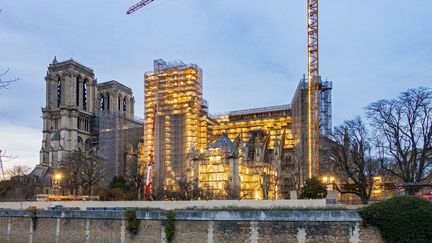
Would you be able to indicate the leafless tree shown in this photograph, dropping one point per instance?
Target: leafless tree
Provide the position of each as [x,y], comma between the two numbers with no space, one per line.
[86,170]
[354,164]
[134,177]
[403,127]
[5,82]
[18,170]
[73,171]
[93,172]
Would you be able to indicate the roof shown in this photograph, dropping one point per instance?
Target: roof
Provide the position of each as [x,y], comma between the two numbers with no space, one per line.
[260,110]
[115,83]
[55,63]
[225,144]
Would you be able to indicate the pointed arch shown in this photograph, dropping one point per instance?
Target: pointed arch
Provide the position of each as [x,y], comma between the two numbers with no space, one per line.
[124,104]
[85,94]
[77,90]
[102,102]
[108,101]
[59,90]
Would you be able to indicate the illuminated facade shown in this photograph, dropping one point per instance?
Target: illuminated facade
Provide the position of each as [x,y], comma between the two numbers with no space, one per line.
[181,122]
[247,154]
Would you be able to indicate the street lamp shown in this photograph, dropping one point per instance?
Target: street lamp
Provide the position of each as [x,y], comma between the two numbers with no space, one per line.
[56,184]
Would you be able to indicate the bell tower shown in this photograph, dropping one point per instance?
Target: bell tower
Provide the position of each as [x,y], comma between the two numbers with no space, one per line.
[69,112]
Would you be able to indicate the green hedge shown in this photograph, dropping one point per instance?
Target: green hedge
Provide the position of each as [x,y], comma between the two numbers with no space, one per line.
[170,225]
[402,219]
[132,221]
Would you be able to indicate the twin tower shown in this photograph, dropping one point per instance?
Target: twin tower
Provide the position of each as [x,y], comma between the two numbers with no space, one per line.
[74,103]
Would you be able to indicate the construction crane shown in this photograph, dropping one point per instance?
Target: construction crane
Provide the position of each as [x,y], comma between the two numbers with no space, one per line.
[313,90]
[151,157]
[139,5]
[313,123]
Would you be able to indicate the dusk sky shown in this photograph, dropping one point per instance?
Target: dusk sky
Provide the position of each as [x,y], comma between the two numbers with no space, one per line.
[253,53]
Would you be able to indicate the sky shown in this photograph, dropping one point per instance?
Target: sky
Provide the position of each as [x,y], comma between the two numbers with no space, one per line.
[253,53]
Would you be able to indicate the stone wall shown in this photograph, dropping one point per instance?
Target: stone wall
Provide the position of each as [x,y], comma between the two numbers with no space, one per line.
[169,205]
[191,226]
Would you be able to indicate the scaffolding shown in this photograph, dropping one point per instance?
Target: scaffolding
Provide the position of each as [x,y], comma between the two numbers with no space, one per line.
[274,120]
[116,132]
[300,120]
[181,123]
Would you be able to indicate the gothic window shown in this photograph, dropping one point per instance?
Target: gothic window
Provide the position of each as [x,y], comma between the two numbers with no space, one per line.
[108,102]
[85,94]
[58,91]
[88,145]
[102,102]
[80,144]
[77,87]
[124,104]
[79,123]
[119,103]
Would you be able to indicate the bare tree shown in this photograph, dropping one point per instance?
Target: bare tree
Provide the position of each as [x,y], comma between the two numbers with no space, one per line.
[86,170]
[73,171]
[93,172]
[404,130]
[354,163]
[18,170]
[134,177]
[4,82]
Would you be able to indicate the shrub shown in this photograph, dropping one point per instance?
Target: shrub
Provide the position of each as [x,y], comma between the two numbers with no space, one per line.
[401,219]
[313,189]
[33,212]
[170,225]
[133,222]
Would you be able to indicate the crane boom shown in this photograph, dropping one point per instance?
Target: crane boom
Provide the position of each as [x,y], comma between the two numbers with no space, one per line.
[151,158]
[313,90]
[138,6]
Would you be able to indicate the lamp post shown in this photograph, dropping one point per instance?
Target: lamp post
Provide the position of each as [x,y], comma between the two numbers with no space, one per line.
[56,184]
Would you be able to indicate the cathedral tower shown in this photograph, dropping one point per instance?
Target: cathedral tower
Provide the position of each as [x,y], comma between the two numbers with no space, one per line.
[68,115]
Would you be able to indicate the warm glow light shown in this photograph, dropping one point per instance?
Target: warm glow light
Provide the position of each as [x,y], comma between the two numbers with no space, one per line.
[58,176]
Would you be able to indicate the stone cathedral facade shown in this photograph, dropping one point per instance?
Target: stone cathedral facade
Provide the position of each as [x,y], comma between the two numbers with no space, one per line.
[75,101]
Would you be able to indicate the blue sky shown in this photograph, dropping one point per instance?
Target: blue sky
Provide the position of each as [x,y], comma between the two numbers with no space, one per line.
[253,53]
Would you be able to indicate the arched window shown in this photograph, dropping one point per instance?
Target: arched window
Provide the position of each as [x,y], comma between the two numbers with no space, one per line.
[77,92]
[58,91]
[88,145]
[79,123]
[108,101]
[80,144]
[85,94]
[124,104]
[102,102]
[119,103]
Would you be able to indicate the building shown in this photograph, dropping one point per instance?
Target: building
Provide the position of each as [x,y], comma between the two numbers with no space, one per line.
[252,153]
[300,122]
[77,108]
[180,123]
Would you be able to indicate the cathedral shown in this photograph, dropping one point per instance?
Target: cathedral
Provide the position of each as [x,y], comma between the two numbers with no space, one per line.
[76,109]
[249,154]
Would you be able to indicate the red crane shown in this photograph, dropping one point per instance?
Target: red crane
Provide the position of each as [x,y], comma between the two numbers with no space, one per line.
[151,158]
[138,6]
